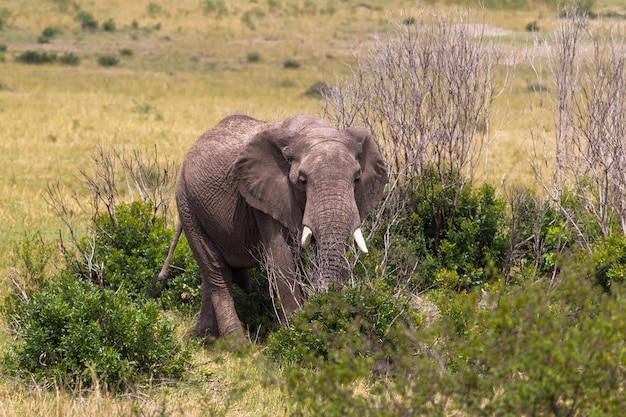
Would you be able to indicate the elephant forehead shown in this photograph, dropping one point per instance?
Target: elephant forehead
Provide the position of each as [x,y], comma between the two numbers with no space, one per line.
[330,152]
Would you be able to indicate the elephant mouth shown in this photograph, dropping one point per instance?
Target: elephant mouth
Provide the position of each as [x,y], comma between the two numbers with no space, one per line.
[307,235]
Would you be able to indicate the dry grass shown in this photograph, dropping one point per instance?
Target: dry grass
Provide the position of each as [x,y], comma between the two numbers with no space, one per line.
[189,68]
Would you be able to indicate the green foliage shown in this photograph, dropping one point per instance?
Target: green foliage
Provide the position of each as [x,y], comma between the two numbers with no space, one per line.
[35,57]
[183,292]
[86,19]
[342,326]
[30,268]
[532,26]
[609,260]
[51,32]
[543,349]
[73,333]
[537,349]
[108,25]
[291,64]
[69,58]
[126,52]
[256,310]
[457,233]
[253,57]
[108,61]
[127,247]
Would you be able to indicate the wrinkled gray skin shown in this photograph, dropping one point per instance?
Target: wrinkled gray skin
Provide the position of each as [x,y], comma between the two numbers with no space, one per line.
[248,187]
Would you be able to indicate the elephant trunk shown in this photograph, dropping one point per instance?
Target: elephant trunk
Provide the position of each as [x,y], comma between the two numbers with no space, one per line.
[332,221]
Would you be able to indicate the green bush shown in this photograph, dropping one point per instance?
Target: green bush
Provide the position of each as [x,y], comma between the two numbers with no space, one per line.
[532,26]
[538,349]
[455,234]
[69,58]
[291,64]
[609,262]
[108,61]
[74,334]
[35,57]
[129,245]
[253,57]
[86,20]
[108,25]
[48,33]
[344,325]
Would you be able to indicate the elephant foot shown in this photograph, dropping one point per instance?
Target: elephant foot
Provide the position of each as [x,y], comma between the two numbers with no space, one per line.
[234,341]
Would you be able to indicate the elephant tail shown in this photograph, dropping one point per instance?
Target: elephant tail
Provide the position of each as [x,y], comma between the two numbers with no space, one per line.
[159,280]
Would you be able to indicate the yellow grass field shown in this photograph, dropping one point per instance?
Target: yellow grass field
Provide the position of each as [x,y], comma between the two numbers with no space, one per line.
[182,67]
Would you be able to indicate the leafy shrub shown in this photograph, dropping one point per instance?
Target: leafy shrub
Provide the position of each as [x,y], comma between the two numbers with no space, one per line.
[108,25]
[69,58]
[126,52]
[108,61]
[532,26]
[127,247]
[547,350]
[291,64]
[609,262]
[73,333]
[458,233]
[537,349]
[317,90]
[35,57]
[253,57]
[86,20]
[344,325]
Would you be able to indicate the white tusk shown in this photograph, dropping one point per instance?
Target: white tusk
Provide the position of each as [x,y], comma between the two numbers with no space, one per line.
[360,242]
[306,237]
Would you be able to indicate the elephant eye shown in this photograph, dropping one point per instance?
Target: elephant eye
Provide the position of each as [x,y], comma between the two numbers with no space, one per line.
[301,180]
[357,177]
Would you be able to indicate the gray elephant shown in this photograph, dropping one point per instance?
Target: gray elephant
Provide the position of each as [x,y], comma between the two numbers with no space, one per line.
[251,190]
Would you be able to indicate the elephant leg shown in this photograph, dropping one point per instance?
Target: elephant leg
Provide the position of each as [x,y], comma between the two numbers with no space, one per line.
[217,311]
[281,268]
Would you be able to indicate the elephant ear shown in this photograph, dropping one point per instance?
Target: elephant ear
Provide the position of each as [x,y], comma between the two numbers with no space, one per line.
[369,190]
[262,169]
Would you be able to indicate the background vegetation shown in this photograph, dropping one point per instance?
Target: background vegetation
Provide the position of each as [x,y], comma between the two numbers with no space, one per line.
[494,285]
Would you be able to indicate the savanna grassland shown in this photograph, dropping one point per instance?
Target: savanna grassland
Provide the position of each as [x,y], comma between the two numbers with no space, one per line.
[177,68]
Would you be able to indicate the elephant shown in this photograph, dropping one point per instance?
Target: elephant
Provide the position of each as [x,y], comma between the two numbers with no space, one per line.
[251,191]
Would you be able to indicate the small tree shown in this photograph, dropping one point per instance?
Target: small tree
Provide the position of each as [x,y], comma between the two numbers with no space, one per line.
[426,91]
[582,167]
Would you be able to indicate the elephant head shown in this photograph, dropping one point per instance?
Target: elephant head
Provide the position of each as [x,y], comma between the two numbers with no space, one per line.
[316,181]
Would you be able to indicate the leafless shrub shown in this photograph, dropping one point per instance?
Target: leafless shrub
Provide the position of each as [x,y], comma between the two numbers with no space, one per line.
[426,91]
[585,161]
[114,177]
